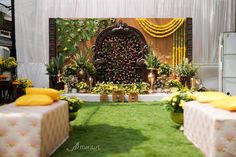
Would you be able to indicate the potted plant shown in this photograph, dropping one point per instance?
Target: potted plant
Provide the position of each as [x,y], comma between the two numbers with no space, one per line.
[175,105]
[165,69]
[54,70]
[152,63]
[20,84]
[7,66]
[174,84]
[185,71]
[82,86]
[75,104]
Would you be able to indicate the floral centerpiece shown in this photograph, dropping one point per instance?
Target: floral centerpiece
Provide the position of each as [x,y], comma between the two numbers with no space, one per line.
[82,86]
[75,104]
[22,83]
[165,69]
[8,64]
[174,84]
[1,62]
[175,104]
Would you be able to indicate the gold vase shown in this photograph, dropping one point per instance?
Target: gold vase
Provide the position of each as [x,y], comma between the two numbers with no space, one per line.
[151,79]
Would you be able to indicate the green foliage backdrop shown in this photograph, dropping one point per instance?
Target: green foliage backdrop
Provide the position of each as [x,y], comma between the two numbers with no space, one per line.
[71,33]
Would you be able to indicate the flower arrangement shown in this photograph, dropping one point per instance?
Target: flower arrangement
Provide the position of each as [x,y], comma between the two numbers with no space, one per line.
[23,83]
[70,69]
[1,62]
[8,64]
[165,69]
[70,80]
[74,103]
[174,84]
[82,85]
[177,100]
[107,88]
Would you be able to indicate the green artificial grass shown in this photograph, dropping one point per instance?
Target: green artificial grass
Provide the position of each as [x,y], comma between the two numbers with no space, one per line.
[125,130]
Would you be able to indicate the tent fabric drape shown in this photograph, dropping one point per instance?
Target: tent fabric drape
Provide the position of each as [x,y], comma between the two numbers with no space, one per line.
[210,18]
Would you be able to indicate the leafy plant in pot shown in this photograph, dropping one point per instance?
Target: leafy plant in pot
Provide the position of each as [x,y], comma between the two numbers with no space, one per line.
[83,65]
[75,104]
[54,70]
[152,63]
[175,104]
[186,70]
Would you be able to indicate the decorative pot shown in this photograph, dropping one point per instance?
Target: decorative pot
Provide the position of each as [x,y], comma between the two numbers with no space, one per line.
[103,97]
[186,81]
[177,117]
[82,74]
[82,90]
[72,116]
[73,90]
[151,80]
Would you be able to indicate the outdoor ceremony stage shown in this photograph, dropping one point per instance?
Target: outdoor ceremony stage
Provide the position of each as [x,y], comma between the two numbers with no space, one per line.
[96,97]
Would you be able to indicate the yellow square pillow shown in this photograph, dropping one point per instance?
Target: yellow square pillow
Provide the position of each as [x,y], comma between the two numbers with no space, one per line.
[226,103]
[33,100]
[206,97]
[53,93]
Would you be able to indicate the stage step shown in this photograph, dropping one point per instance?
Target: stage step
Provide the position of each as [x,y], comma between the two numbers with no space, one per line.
[96,97]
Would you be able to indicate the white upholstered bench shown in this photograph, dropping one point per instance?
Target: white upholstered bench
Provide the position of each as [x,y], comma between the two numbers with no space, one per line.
[211,129]
[33,131]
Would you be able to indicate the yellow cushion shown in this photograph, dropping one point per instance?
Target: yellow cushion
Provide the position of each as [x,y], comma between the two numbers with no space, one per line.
[54,94]
[226,103]
[206,97]
[33,100]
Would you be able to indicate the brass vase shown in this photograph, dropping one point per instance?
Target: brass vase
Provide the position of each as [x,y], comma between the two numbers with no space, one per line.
[151,80]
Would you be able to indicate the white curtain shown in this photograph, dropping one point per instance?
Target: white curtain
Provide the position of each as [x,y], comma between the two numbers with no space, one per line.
[210,18]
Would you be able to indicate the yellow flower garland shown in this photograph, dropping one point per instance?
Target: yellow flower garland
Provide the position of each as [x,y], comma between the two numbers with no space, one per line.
[162,31]
[154,33]
[160,26]
[157,28]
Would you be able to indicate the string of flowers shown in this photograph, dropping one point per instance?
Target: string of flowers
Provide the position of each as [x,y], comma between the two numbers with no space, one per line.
[179,49]
[160,32]
[161,27]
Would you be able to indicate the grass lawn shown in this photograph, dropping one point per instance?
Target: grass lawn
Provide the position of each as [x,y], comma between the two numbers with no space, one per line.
[125,130]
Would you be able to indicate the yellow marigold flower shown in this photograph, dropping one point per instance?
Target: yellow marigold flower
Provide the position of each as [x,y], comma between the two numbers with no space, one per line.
[182,103]
[65,49]
[174,99]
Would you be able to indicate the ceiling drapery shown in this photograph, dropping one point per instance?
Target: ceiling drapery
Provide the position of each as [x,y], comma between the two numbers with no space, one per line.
[210,18]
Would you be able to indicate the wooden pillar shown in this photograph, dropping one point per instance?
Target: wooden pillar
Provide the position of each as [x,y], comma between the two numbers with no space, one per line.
[189,38]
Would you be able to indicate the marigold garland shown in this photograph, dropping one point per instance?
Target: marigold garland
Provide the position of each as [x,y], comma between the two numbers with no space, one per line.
[162,32]
[179,49]
[158,28]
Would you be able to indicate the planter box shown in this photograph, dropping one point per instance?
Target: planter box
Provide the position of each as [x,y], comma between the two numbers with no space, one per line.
[118,96]
[133,97]
[103,98]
